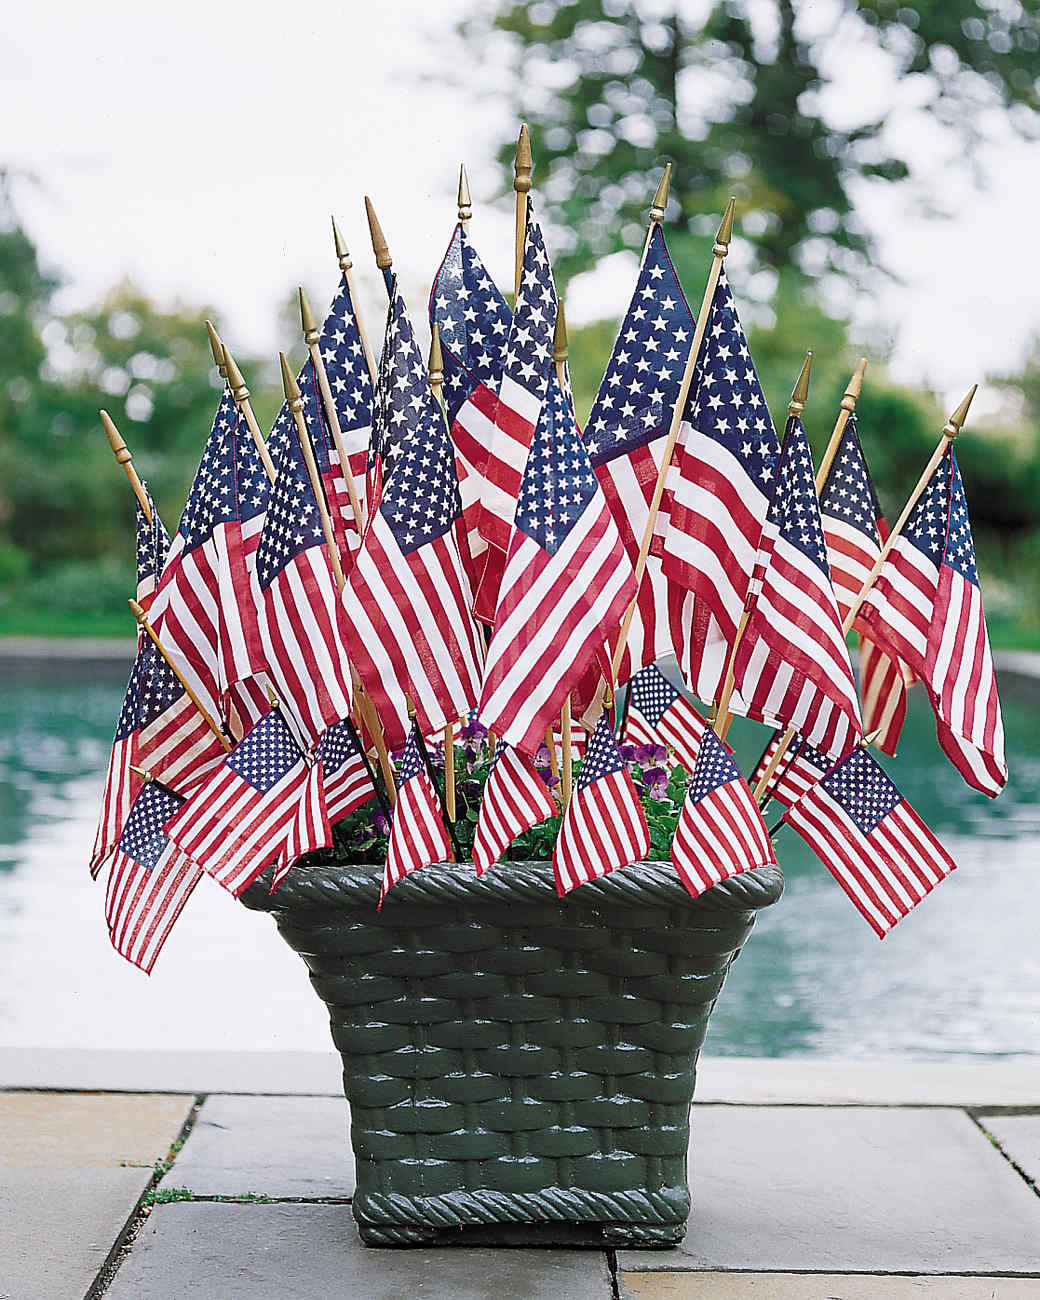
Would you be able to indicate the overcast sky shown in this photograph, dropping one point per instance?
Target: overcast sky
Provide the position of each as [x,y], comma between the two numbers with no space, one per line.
[199,148]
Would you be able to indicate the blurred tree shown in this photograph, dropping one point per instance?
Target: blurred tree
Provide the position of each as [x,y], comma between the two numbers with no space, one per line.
[732,93]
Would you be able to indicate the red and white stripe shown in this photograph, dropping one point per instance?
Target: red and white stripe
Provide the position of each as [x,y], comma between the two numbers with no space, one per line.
[851,556]
[883,690]
[554,613]
[795,775]
[310,828]
[409,631]
[141,905]
[417,836]
[472,435]
[118,794]
[603,828]
[718,837]
[680,726]
[887,873]
[515,798]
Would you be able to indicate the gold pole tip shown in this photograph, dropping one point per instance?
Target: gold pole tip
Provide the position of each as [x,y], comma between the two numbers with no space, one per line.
[115,438]
[956,421]
[217,348]
[234,376]
[379,246]
[342,252]
[560,335]
[848,401]
[311,332]
[725,231]
[465,202]
[136,610]
[289,384]
[523,163]
[800,395]
[436,360]
[660,203]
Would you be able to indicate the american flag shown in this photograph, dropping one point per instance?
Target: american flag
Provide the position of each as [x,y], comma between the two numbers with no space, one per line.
[567,583]
[406,603]
[417,836]
[603,826]
[854,528]
[302,623]
[658,712]
[337,783]
[926,609]
[522,393]
[473,320]
[158,729]
[718,489]
[796,773]
[628,428]
[153,546]
[792,665]
[720,831]
[240,819]
[149,880]
[515,798]
[205,606]
[870,840]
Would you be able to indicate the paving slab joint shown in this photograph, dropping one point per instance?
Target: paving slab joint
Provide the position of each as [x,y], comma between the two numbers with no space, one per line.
[139,1214]
[1028,1179]
[612,1272]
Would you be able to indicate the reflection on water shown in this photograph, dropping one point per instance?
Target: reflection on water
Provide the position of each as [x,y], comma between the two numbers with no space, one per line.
[959,977]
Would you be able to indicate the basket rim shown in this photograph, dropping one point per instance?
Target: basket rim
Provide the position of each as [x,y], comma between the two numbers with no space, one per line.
[346,886]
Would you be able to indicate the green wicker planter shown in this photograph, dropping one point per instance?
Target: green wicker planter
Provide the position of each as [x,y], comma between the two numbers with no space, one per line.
[519,1067]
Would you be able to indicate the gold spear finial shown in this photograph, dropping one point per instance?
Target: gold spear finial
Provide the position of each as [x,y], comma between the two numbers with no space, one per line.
[342,252]
[660,203]
[235,378]
[436,362]
[311,333]
[523,162]
[115,439]
[383,259]
[465,202]
[146,776]
[725,231]
[560,335]
[217,348]
[801,389]
[289,385]
[848,402]
[953,425]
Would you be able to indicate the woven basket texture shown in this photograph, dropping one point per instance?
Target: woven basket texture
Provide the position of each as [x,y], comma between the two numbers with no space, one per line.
[511,1057]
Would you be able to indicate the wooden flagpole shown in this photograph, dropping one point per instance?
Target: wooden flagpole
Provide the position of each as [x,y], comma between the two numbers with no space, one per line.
[950,430]
[657,208]
[122,455]
[719,251]
[559,353]
[723,716]
[465,202]
[848,405]
[522,168]
[379,246]
[142,619]
[346,266]
[240,394]
[311,335]
[435,369]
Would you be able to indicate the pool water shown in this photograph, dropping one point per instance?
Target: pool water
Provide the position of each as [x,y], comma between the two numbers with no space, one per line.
[958,978]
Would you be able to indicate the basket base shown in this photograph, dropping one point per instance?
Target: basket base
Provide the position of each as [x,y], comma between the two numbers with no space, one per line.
[575,1236]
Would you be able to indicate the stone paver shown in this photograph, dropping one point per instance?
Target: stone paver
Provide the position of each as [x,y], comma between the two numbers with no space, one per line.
[1019,1135]
[72,1169]
[273,1146]
[850,1189]
[821,1286]
[211,1251]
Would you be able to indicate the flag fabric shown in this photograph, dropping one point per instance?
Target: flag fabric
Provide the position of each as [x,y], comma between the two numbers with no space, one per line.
[720,831]
[417,835]
[205,606]
[515,798]
[153,546]
[406,603]
[926,609]
[603,826]
[628,428]
[473,321]
[855,529]
[796,773]
[870,840]
[301,617]
[658,712]
[717,492]
[566,586]
[522,393]
[792,666]
[338,782]
[149,881]
[240,819]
